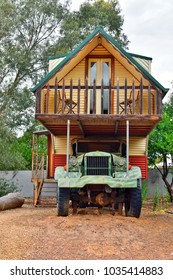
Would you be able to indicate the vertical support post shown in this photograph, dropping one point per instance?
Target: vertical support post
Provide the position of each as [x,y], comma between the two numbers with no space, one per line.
[149,100]
[118,96]
[55,96]
[141,98]
[125,96]
[133,97]
[63,96]
[86,96]
[47,99]
[127,147]
[78,97]
[33,143]
[67,151]
[71,95]
[102,93]
[110,98]
[94,96]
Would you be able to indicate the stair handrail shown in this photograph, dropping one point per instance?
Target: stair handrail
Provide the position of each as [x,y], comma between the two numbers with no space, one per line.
[38,172]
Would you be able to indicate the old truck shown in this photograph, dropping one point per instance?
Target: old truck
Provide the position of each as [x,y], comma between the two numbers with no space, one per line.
[98,179]
[111,102]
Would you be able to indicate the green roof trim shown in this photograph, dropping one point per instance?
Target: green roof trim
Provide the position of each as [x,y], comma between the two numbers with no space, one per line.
[145,72]
[67,58]
[58,56]
[99,30]
[140,56]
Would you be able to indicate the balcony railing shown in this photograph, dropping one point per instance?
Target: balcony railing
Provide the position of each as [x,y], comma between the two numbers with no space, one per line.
[63,98]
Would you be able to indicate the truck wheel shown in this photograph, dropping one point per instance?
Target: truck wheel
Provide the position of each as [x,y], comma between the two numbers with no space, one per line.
[63,201]
[133,202]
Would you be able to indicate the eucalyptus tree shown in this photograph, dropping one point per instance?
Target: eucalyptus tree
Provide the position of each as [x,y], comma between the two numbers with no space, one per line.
[28,32]
[161,146]
[78,24]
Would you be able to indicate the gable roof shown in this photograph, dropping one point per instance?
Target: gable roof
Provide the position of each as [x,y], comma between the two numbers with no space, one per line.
[128,56]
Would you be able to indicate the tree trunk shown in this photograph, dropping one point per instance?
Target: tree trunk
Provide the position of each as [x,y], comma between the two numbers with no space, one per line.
[11,200]
[164,175]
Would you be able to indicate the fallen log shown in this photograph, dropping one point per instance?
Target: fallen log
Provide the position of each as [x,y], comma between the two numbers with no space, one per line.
[11,201]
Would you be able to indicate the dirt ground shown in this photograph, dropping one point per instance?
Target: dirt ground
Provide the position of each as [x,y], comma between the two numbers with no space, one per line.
[30,233]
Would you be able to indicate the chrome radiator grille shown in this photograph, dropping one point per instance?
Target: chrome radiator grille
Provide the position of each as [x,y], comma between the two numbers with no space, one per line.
[97,165]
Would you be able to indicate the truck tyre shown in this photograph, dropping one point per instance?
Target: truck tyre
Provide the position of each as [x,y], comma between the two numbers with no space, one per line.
[133,202]
[63,201]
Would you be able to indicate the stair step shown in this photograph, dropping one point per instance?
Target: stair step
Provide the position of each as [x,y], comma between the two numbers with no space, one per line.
[48,191]
[49,187]
[47,202]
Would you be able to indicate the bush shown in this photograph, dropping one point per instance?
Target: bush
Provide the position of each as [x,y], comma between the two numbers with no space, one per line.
[144,191]
[7,186]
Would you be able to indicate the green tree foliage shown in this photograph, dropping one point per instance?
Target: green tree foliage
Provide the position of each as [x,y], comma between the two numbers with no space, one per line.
[161,146]
[7,186]
[78,24]
[28,31]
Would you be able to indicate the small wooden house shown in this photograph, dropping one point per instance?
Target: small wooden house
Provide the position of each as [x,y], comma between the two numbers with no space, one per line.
[98,86]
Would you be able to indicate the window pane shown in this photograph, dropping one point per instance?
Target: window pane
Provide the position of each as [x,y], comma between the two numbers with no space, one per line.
[105,73]
[105,77]
[93,72]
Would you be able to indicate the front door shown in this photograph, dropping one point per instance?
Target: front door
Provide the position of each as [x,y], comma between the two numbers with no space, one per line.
[99,69]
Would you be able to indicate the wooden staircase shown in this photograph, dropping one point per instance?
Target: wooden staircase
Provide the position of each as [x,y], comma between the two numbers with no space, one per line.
[48,195]
[45,190]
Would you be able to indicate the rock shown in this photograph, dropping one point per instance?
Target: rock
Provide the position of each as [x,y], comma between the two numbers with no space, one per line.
[11,201]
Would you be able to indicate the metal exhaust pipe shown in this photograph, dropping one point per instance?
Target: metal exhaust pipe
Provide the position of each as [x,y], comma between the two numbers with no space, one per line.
[127,147]
[67,150]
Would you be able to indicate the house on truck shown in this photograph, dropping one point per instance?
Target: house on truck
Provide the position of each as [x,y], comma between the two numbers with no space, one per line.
[95,89]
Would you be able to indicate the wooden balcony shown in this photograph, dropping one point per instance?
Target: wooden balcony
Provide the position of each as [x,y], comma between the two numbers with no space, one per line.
[74,99]
[114,103]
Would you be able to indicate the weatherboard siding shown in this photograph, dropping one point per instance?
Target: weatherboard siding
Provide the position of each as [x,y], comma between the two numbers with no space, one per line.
[137,146]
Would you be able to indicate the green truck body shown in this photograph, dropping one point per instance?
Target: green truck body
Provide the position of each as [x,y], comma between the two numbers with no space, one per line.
[98,179]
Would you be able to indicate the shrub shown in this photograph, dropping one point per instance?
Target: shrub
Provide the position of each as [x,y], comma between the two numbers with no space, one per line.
[7,186]
[144,192]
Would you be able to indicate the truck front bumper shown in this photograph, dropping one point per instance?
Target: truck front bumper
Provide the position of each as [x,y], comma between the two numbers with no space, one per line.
[118,180]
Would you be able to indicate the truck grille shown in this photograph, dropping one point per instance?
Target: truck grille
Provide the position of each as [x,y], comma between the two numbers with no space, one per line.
[97,165]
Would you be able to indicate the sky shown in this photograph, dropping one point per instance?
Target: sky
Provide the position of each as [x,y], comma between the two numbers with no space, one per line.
[148,25]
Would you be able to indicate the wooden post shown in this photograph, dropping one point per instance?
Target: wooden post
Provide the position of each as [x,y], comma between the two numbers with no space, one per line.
[141,97]
[94,96]
[149,100]
[102,92]
[55,96]
[47,99]
[109,98]
[158,102]
[78,97]
[118,96]
[71,95]
[133,97]
[63,96]
[86,96]
[38,101]
[33,143]
[125,96]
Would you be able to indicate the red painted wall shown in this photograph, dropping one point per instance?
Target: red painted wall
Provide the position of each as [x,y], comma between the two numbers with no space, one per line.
[58,160]
[142,162]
